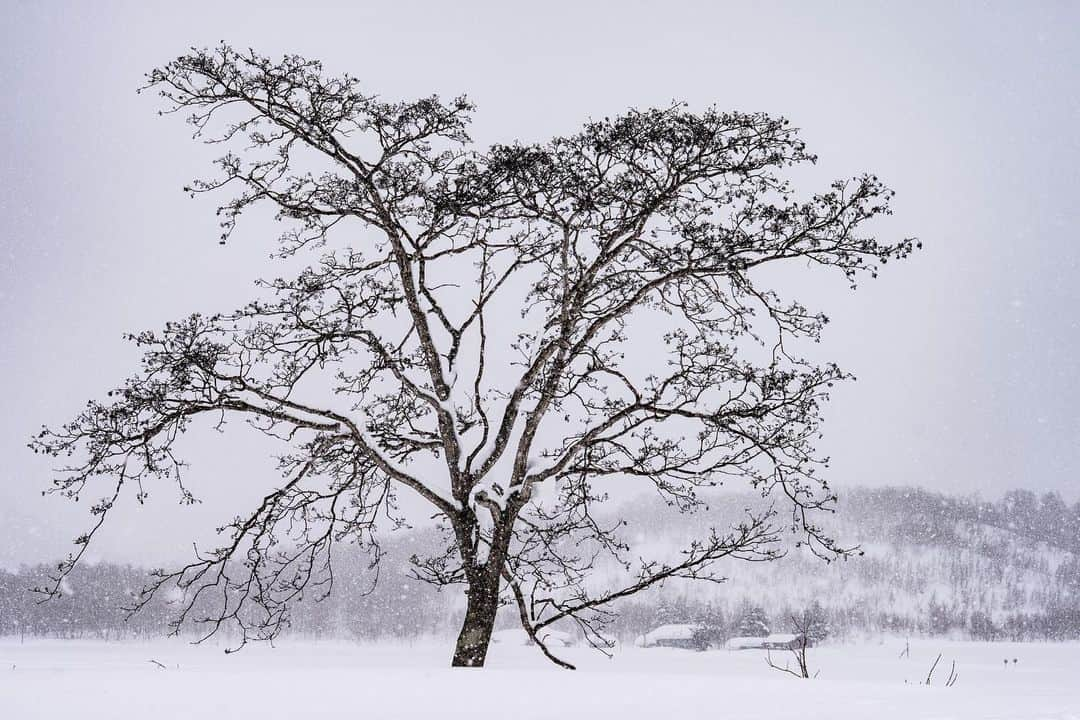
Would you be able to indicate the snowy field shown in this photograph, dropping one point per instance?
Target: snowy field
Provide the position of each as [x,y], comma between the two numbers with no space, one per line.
[97,680]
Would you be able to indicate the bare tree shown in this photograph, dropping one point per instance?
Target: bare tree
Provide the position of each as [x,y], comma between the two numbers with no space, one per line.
[480,329]
[806,626]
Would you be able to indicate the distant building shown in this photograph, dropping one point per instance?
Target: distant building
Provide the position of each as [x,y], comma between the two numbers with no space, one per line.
[745,643]
[517,636]
[785,641]
[689,637]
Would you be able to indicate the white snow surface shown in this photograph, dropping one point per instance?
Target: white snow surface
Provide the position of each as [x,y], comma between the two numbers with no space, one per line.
[306,679]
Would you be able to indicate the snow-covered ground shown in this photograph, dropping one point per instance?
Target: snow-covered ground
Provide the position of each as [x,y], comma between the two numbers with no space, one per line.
[118,681]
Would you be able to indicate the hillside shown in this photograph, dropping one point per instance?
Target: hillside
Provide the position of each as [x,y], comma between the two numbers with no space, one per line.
[931,565]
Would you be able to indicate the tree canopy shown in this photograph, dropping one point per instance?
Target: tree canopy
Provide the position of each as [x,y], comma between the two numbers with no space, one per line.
[497,330]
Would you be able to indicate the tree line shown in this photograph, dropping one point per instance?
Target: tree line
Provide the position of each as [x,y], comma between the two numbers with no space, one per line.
[985,570]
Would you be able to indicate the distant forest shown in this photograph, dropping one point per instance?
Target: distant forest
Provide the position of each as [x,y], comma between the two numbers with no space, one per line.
[932,565]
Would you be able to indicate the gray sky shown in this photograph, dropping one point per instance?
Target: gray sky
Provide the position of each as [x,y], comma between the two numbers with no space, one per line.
[966,355]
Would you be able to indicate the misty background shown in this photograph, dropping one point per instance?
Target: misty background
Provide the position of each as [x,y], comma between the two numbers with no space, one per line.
[965,354]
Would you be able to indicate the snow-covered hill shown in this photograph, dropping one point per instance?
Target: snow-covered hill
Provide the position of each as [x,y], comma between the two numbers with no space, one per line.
[931,565]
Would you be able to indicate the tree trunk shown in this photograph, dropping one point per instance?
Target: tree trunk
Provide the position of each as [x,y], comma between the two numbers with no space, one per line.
[475,635]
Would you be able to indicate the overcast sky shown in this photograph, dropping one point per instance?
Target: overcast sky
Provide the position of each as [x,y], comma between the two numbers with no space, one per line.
[966,355]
